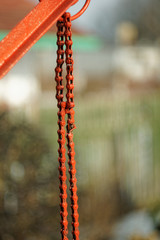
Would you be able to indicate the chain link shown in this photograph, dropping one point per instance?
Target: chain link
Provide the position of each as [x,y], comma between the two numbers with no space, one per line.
[64,37]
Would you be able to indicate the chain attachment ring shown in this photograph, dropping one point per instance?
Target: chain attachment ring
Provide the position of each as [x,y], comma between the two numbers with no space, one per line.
[84,8]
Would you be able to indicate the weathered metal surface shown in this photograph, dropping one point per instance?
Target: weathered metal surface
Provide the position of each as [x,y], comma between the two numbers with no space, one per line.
[64,36]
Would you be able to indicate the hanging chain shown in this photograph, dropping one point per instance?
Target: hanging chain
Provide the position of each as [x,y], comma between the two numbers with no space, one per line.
[71,125]
[61,132]
[64,37]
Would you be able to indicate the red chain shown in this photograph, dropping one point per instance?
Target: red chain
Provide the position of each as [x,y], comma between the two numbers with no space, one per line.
[71,126]
[61,132]
[64,31]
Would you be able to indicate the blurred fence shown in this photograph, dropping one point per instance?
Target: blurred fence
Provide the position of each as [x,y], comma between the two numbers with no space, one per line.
[118,139]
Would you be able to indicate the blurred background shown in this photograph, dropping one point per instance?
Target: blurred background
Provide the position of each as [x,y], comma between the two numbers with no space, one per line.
[117,140]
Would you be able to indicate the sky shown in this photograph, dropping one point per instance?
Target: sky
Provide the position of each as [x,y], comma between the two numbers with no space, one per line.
[88,19]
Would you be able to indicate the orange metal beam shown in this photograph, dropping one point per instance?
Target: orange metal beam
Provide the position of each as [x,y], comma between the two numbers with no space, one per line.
[29,31]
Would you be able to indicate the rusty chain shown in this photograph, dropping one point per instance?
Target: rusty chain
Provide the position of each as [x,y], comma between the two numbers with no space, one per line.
[64,38]
[61,132]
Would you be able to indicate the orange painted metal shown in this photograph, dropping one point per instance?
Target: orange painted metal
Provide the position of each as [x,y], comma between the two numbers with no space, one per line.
[61,131]
[71,126]
[77,15]
[29,31]
[64,40]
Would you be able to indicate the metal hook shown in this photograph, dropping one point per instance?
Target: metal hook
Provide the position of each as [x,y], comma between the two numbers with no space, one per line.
[84,8]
